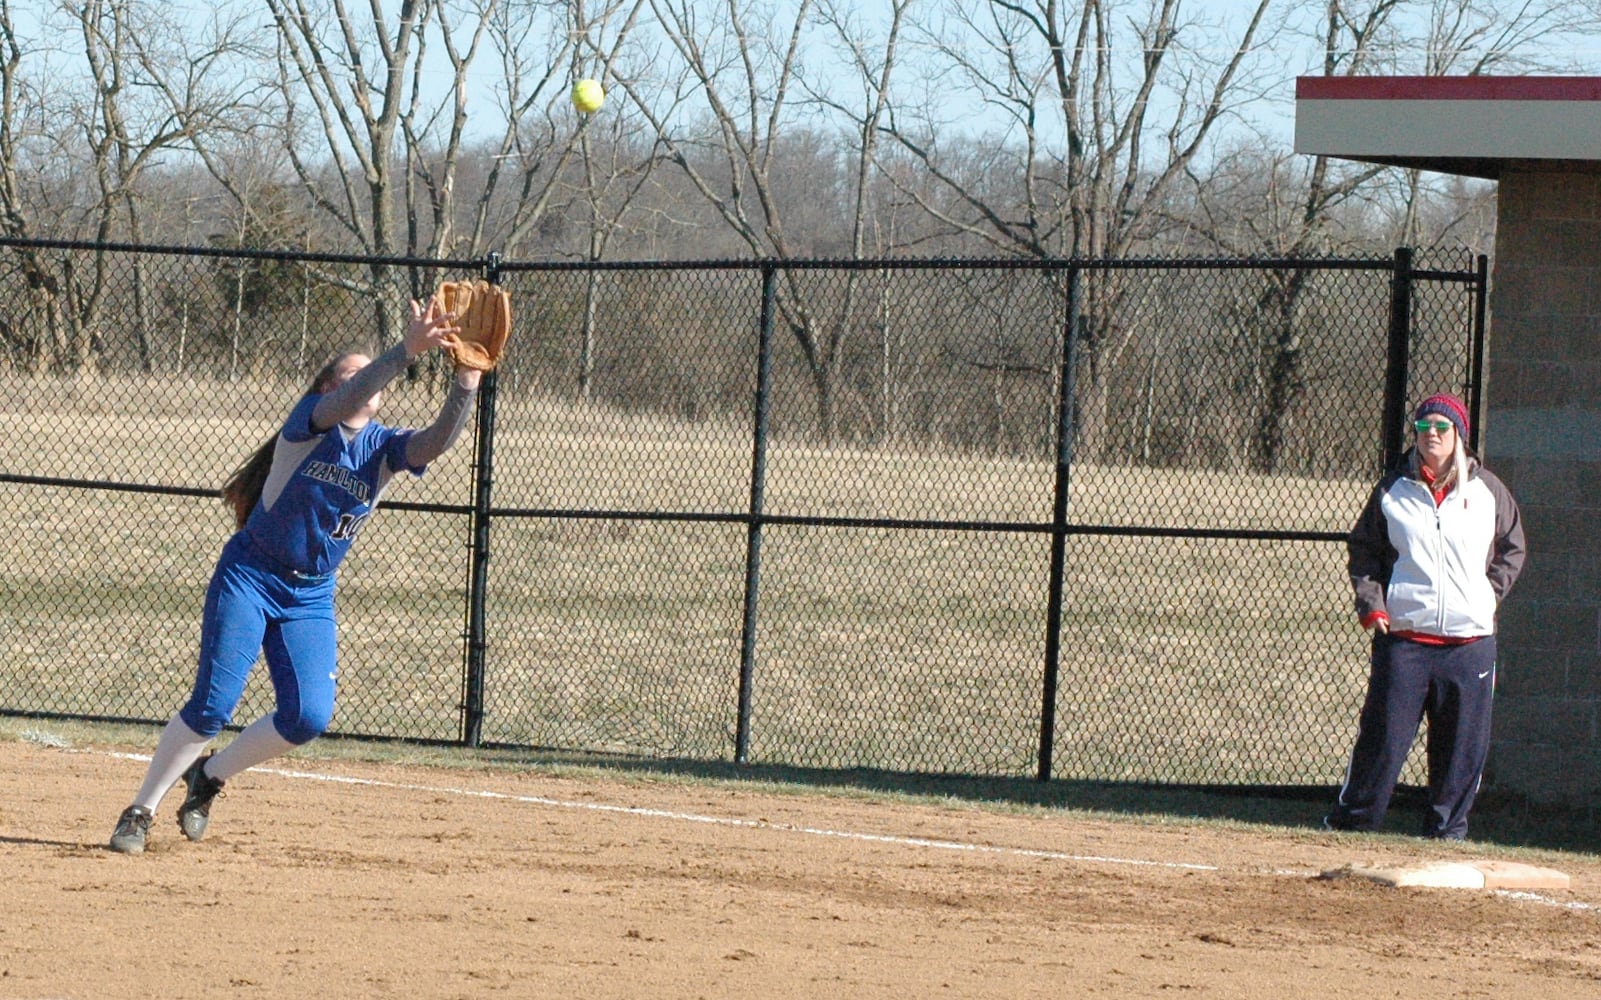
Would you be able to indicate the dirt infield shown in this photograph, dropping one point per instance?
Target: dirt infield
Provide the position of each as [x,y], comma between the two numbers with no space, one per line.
[336,878]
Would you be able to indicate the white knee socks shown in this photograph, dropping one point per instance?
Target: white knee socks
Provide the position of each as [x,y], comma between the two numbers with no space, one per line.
[259,742]
[178,747]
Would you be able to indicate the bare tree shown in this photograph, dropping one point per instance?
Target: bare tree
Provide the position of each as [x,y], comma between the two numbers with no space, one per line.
[1272,221]
[1286,206]
[149,85]
[538,49]
[160,88]
[1101,108]
[746,64]
[345,80]
[616,170]
[32,121]
[430,189]
[382,128]
[858,95]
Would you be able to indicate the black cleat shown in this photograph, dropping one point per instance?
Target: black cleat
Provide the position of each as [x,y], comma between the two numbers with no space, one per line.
[196,809]
[133,826]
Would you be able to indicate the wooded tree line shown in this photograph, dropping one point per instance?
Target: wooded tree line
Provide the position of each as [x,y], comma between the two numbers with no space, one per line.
[784,129]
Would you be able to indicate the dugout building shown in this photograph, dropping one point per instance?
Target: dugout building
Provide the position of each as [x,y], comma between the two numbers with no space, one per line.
[1539,139]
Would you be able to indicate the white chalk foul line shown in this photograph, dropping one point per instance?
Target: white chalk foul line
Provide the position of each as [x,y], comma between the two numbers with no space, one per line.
[728,821]
[1534,897]
[760,824]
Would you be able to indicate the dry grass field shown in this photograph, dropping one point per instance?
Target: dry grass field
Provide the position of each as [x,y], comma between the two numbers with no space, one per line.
[1182,660]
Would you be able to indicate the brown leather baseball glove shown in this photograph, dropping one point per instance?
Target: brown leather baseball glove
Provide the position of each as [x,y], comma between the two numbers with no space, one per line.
[483,313]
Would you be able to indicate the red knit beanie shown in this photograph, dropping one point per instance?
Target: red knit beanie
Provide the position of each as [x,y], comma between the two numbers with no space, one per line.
[1447,406]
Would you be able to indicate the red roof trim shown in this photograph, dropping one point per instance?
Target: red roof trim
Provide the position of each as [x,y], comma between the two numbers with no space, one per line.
[1448,88]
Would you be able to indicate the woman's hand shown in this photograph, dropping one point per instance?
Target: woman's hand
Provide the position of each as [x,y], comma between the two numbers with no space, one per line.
[468,378]
[430,327]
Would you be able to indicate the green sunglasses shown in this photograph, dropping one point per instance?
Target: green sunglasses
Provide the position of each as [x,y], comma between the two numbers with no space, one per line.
[1438,426]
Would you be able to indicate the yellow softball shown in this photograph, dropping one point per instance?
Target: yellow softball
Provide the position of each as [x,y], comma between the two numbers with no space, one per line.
[588,95]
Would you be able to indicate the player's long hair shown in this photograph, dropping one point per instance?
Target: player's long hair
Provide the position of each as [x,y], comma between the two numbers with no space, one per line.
[242,490]
[1457,472]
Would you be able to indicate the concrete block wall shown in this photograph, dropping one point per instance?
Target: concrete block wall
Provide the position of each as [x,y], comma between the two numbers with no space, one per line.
[1542,436]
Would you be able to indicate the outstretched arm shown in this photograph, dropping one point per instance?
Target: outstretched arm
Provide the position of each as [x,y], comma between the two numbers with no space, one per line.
[437,438]
[427,328]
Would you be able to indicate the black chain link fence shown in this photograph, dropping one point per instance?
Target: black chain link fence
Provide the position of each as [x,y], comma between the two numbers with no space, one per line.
[823,514]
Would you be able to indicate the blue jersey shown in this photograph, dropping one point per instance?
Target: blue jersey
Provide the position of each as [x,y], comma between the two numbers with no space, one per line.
[321,489]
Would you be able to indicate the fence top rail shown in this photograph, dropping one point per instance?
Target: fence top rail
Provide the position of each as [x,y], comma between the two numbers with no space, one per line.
[496,262]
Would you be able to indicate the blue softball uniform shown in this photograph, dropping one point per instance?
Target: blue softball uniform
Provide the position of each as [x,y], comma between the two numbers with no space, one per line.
[273,589]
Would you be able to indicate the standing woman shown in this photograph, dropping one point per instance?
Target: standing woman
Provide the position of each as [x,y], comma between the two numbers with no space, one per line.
[1432,556]
[298,503]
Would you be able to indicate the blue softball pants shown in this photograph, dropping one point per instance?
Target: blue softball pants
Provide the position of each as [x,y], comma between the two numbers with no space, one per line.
[1453,688]
[254,608]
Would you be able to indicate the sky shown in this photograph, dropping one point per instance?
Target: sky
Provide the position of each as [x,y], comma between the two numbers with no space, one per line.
[1287,43]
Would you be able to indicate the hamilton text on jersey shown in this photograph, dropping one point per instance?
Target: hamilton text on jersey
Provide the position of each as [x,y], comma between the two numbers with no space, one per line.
[342,478]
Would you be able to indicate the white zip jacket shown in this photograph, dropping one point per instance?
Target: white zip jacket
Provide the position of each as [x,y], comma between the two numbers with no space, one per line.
[1436,570]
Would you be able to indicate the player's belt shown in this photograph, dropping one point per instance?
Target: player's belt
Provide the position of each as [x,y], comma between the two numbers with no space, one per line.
[282,569]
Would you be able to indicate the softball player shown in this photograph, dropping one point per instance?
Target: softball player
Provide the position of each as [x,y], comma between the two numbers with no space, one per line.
[298,502]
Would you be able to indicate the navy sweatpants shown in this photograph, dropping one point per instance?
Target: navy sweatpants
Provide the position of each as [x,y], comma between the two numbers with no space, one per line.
[1452,687]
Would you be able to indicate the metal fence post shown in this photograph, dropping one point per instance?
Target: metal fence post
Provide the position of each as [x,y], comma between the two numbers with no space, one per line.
[1064,463]
[1475,400]
[1398,358]
[472,704]
[753,531]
